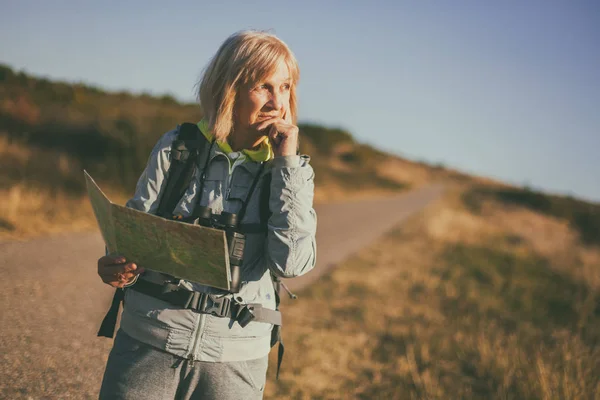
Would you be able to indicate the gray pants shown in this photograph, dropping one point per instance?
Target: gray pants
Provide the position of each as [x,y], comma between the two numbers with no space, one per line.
[136,370]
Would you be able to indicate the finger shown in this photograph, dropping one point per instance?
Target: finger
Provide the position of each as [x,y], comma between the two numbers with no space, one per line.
[266,123]
[126,277]
[119,281]
[274,135]
[287,116]
[113,270]
[112,259]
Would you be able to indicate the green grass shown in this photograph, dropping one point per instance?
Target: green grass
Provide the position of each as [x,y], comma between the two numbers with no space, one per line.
[520,293]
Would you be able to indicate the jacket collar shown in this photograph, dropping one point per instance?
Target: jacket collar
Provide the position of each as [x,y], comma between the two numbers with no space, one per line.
[263,153]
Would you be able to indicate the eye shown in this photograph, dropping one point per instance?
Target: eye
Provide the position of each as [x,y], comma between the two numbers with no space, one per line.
[262,86]
[286,86]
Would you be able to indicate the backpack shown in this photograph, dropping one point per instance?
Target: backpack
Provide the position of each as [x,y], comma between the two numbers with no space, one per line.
[189,146]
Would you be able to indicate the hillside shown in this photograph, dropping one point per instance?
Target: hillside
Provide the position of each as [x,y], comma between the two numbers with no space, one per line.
[51,131]
[488,294]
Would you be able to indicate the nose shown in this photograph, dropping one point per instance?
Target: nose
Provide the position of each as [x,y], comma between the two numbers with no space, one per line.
[277,100]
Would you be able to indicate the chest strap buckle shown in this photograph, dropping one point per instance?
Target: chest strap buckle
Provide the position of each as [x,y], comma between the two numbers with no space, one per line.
[205,303]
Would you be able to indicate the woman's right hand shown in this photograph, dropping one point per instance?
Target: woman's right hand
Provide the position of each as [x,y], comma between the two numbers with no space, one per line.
[116,271]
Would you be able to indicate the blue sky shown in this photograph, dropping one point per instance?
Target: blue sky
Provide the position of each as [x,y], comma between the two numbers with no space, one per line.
[507,89]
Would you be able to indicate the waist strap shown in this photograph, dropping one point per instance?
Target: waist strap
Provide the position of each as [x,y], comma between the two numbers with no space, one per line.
[244,313]
[205,303]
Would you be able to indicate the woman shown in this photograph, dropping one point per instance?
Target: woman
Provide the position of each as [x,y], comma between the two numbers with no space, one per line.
[161,351]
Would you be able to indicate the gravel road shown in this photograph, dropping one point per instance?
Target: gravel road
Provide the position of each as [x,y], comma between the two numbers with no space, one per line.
[53,301]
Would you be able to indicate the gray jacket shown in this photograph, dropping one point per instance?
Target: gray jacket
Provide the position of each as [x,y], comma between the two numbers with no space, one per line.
[288,250]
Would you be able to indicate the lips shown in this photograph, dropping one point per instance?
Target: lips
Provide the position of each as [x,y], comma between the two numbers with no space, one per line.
[265,116]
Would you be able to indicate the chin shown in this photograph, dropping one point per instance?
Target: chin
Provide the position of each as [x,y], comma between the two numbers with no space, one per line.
[254,126]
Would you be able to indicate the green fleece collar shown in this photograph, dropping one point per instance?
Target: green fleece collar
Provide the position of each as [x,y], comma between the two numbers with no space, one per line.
[263,153]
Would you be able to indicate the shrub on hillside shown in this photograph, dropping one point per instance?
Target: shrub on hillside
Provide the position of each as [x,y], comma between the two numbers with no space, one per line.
[325,139]
[583,216]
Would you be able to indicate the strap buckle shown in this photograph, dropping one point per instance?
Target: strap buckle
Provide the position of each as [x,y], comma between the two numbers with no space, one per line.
[245,315]
[217,306]
[205,303]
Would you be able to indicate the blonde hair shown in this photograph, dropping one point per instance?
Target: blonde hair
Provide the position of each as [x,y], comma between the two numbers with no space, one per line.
[244,58]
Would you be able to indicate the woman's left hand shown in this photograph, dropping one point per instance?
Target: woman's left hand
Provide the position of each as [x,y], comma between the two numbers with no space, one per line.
[283,135]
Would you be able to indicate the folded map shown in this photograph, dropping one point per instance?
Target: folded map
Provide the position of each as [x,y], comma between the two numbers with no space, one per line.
[191,252]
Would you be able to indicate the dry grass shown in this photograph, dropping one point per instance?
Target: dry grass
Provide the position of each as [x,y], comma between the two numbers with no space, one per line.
[417,174]
[33,200]
[501,305]
[409,172]
[27,212]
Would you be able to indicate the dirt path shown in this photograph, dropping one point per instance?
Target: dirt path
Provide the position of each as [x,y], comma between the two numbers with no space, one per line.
[53,301]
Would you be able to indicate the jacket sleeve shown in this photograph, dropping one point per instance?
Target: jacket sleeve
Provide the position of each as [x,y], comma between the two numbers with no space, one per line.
[152,181]
[291,239]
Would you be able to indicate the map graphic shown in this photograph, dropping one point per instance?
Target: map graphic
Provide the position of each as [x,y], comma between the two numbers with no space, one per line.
[191,252]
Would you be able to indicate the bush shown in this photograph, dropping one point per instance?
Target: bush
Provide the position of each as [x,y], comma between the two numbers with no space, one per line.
[583,216]
[325,139]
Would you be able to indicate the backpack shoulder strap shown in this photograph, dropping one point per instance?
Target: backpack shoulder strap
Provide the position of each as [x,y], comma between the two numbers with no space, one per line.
[265,211]
[185,149]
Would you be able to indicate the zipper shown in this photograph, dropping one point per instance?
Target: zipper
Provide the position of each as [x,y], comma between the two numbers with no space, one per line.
[202,317]
[238,161]
[199,333]
[218,153]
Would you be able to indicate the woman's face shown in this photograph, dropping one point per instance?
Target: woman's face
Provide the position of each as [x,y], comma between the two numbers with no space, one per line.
[268,98]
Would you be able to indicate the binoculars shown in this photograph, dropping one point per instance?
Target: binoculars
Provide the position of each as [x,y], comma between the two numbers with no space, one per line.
[227,222]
